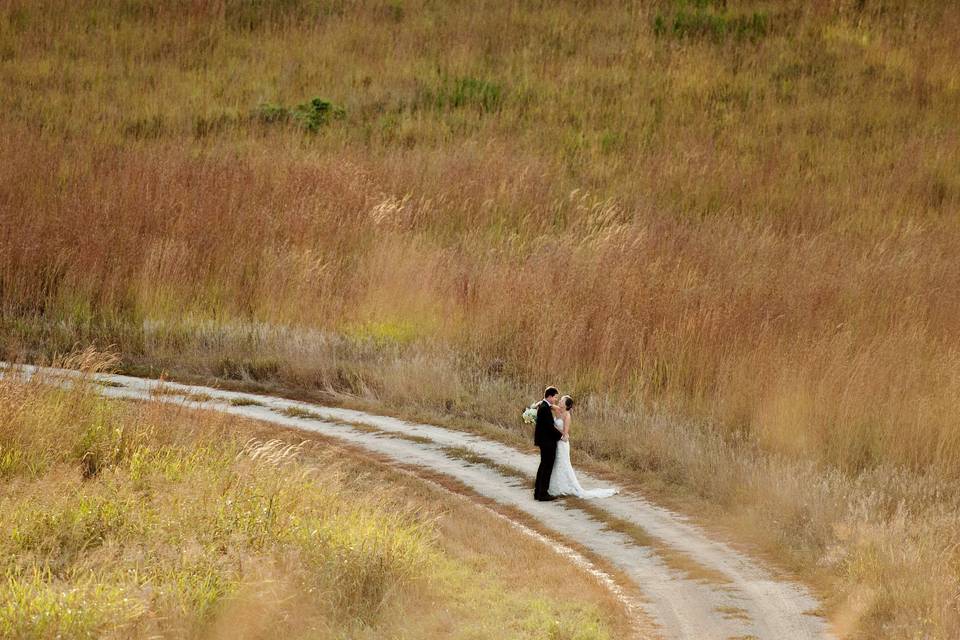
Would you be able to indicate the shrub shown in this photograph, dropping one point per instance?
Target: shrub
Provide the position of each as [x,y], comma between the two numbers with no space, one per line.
[315,114]
[311,116]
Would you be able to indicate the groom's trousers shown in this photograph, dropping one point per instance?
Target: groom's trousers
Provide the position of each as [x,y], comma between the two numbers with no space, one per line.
[548,453]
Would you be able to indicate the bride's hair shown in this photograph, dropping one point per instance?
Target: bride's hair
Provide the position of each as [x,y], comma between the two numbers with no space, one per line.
[567,402]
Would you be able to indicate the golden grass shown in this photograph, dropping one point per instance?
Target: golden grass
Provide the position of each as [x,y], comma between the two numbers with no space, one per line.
[182,529]
[760,254]
[746,214]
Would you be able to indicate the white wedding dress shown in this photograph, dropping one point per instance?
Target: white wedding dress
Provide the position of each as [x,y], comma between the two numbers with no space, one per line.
[563,480]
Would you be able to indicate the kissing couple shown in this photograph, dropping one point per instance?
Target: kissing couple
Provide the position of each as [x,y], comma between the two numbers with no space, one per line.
[555,476]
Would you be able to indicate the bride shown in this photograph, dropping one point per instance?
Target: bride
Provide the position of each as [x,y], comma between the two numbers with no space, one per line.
[563,480]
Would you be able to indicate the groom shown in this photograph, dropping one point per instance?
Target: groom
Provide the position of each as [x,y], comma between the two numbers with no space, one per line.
[545,436]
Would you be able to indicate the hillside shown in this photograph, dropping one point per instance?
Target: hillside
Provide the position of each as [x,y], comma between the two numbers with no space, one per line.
[728,228]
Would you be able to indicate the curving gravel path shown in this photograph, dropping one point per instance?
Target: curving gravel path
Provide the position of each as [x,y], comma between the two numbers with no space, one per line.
[694,587]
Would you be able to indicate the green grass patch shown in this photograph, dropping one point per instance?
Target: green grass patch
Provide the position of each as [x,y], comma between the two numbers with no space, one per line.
[463,92]
[310,116]
[706,19]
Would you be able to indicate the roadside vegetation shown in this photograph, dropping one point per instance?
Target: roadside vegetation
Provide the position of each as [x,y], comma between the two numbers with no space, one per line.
[142,520]
[729,229]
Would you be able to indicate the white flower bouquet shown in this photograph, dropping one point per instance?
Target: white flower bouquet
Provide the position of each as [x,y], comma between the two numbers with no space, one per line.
[530,414]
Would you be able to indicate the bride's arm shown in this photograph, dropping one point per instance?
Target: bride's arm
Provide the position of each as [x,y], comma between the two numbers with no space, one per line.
[566,427]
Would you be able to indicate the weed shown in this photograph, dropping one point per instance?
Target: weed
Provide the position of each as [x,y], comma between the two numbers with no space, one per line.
[297,412]
[245,402]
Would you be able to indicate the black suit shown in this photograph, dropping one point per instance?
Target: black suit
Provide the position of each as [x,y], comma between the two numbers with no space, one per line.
[545,436]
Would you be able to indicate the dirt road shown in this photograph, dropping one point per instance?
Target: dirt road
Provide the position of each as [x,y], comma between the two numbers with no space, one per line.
[693,586]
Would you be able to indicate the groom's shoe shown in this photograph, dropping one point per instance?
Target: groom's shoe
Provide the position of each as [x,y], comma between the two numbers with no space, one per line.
[547,498]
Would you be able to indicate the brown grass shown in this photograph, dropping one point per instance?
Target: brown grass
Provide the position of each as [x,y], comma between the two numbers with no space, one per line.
[749,230]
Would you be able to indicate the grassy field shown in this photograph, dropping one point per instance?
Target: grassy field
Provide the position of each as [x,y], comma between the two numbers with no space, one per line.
[141,521]
[729,228]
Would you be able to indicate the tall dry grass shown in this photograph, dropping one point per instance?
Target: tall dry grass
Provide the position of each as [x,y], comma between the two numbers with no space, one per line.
[744,215]
[839,347]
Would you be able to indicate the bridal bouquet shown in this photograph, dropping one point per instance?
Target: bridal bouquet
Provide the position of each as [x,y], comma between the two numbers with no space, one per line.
[530,414]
